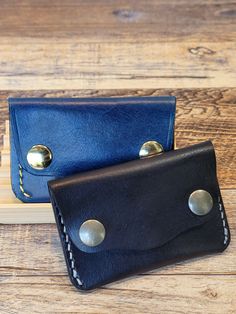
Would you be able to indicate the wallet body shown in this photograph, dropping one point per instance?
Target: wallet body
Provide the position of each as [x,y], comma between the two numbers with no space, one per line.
[144,208]
[82,134]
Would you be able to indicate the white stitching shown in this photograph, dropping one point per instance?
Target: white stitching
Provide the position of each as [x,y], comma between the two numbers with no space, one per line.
[68,247]
[21,182]
[72,266]
[225,229]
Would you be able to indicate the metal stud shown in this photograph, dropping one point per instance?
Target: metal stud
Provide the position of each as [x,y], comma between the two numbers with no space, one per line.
[39,157]
[200,202]
[92,232]
[150,148]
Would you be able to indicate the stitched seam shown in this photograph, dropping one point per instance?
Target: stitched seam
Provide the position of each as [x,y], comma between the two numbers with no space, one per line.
[21,183]
[67,245]
[171,125]
[169,129]
[16,135]
[222,215]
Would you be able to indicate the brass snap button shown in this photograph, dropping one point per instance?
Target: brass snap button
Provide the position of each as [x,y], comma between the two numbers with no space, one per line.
[92,232]
[200,202]
[39,157]
[150,148]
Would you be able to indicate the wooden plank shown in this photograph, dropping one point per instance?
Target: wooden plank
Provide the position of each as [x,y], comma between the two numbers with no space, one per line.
[146,294]
[132,44]
[115,65]
[47,257]
[126,20]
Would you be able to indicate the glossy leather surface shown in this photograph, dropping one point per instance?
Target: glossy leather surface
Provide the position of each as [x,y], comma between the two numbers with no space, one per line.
[143,205]
[83,134]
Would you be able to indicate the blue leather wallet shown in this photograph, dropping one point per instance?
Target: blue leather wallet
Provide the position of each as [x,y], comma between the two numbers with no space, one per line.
[55,137]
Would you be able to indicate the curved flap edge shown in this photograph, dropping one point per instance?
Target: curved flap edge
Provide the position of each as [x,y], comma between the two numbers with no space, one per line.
[84,134]
[140,203]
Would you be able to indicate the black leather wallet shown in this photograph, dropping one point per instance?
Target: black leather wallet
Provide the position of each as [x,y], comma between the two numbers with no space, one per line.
[140,215]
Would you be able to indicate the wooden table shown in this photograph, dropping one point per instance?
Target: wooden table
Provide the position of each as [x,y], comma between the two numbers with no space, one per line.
[80,48]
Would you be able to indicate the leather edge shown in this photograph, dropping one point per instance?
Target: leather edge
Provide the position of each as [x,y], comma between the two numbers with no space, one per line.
[66,246]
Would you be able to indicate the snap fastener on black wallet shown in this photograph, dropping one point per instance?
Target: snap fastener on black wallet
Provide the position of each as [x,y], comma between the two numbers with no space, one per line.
[146,207]
[92,232]
[200,202]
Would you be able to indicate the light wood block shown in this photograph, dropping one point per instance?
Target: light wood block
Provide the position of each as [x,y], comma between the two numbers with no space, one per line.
[12,210]
[5,181]
[5,172]
[6,142]
[7,127]
[16,212]
[5,158]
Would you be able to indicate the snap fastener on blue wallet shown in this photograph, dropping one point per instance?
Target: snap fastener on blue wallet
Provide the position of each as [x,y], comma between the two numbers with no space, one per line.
[39,157]
[80,134]
[153,213]
[150,148]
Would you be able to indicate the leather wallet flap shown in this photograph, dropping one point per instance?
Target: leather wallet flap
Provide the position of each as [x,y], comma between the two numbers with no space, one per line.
[142,204]
[84,134]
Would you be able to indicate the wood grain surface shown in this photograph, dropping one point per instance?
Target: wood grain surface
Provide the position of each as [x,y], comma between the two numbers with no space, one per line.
[117,44]
[120,48]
